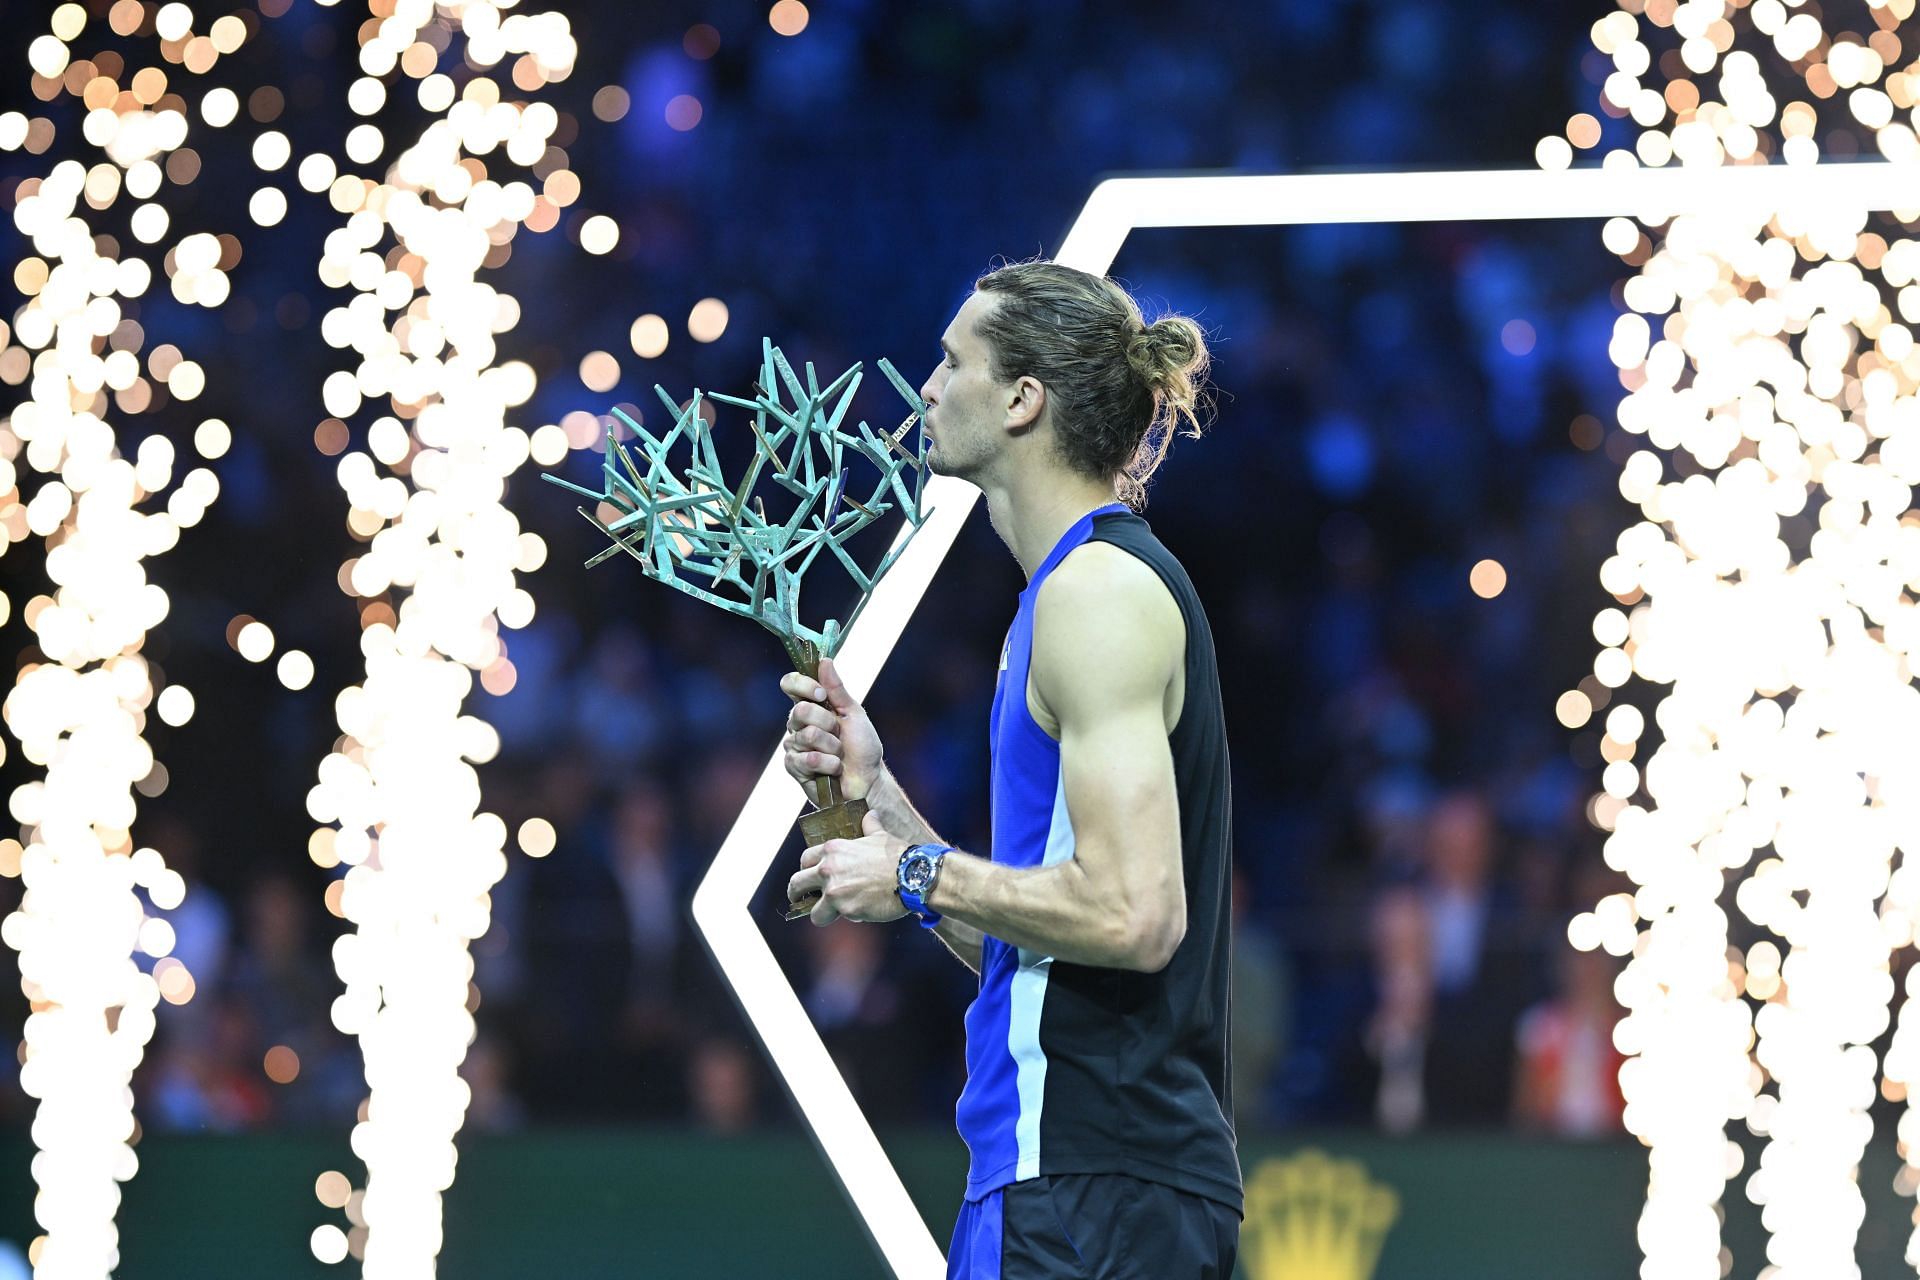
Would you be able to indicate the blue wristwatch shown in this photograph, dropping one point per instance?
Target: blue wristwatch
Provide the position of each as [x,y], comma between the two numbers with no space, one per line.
[918,871]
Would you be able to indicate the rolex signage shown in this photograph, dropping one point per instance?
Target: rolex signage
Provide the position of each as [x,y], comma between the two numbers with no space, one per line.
[1310,1216]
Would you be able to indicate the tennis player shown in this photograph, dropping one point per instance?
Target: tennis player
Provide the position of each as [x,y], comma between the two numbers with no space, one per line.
[1096,1109]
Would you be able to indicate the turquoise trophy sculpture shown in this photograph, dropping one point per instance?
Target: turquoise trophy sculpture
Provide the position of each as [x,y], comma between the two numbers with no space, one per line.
[693,530]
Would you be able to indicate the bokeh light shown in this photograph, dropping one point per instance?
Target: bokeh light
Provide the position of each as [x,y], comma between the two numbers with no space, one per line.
[295,669]
[220,107]
[648,336]
[174,706]
[611,103]
[683,112]
[701,41]
[282,1065]
[1488,579]
[329,1244]
[788,17]
[254,641]
[212,439]
[332,1189]
[707,321]
[599,234]
[599,371]
[537,837]
[1573,709]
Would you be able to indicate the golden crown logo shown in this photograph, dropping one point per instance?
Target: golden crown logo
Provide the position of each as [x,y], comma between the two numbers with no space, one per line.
[1311,1217]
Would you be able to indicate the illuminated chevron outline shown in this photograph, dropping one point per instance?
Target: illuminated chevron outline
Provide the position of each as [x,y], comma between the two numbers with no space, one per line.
[721,904]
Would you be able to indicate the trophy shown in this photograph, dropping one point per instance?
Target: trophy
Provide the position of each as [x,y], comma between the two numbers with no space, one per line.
[715,541]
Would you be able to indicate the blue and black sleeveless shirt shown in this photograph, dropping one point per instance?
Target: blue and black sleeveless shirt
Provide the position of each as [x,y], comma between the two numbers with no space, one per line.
[1078,1069]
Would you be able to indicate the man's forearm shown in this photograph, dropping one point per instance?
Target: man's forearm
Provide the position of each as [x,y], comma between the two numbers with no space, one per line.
[897,814]
[1052,910]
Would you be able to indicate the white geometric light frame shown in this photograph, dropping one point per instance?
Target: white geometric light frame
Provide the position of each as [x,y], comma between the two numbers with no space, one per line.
[721,904]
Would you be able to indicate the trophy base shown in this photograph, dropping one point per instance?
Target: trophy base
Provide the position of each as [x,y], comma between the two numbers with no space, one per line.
[835,822]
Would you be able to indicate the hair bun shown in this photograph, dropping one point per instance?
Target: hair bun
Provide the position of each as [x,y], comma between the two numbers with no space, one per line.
[1167,355]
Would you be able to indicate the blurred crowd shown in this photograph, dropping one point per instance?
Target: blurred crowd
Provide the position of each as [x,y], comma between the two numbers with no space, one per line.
[1395,405]
[1443,995]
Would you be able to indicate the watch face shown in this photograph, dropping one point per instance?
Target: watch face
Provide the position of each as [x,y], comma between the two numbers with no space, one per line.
[916,874]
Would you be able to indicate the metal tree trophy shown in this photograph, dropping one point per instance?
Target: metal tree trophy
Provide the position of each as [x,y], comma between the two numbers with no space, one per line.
[695,532]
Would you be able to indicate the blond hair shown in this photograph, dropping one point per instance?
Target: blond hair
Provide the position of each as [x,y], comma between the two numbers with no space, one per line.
[1119,387]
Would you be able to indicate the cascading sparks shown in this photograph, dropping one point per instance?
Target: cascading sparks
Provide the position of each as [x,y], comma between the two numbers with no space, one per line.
[79,705]
[1771,368]
[399,791]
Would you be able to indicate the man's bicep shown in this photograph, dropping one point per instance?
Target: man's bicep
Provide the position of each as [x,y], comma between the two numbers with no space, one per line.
[1105,679]
[1117,772]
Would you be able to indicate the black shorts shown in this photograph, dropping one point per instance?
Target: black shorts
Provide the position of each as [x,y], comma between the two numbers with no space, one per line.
[1093,1226]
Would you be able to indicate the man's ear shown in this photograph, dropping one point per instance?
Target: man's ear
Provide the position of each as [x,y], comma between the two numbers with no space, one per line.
[1025,404]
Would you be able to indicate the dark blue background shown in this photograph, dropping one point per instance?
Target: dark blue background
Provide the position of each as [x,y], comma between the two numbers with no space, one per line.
[1373,439]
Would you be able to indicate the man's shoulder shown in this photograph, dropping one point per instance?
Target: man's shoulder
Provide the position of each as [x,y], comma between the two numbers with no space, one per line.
[1103,607]
[1103,577]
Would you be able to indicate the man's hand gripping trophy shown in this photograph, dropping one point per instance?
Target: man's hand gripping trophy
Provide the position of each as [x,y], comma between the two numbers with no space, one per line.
[829,735]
